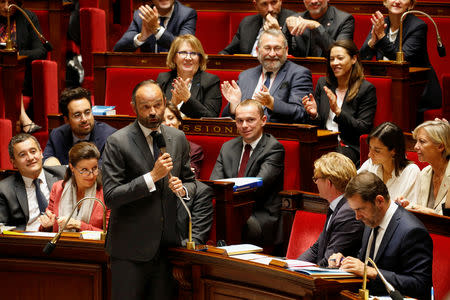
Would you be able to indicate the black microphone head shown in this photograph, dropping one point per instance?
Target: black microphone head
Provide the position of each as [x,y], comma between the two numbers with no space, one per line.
[48,46]
[160,141]
[49,248]
[441,50]
[395,295]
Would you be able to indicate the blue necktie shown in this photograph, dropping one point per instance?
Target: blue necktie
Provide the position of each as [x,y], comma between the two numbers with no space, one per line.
[158,47]
[374,239]
[155,145]
[42,201]
[267,82]
[161,21]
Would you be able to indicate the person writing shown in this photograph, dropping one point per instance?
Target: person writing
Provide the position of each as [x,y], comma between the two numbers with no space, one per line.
[82,180]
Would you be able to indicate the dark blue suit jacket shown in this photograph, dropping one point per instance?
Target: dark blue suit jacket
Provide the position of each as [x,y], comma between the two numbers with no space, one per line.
[61,140]
[182,21]
[405,256]
[292,83]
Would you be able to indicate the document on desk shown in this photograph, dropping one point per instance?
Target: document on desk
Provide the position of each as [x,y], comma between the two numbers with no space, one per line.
[291,263]
[323,272]
[244,183]
[249,256]
[241,249]
[38,233]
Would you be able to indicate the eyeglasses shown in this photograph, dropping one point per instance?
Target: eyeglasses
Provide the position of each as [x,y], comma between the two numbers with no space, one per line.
[86,172]
[314,178]
[77,116]
[184,54]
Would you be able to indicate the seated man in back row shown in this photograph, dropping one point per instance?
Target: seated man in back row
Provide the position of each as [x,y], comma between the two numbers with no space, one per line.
[255,154]
[270,15]
[154,28]
[393,238]
[76,107]
[341,232]
[278,84]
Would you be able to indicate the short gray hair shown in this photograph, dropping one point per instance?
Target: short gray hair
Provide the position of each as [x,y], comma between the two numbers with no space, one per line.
[275,33]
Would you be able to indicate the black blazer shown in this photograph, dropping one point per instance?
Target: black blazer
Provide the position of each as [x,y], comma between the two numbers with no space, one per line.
[356,116]
[142,222]
[206,98]
[404,257]
[336,25]
[343,235]
[248,30]
[13,196]
[414,47]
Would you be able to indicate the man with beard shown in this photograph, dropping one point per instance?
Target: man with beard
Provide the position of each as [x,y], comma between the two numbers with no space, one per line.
[270,15]
[76,107]
[311,32]
[277,84]
[139,187]
[24,196]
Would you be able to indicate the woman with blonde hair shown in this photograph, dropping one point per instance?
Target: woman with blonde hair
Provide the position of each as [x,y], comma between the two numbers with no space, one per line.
[195,92]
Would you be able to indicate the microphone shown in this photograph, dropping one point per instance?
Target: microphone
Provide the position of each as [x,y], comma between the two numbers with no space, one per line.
[161,143]
[52,244]
[393,293]
[9,45]
[440,45]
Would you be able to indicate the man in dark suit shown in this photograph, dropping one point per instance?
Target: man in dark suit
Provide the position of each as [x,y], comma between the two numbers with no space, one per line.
[270,15]
[139,187]
[278,84]
[394,238]
[311,32]
[76,107]
[20,204]
[255,154]
[341,232]
[154,28]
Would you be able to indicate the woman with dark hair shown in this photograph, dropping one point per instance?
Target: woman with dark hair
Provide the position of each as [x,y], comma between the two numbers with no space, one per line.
[195,92]
[383,43]
[172,118]
[387,159]
[343,101]
[27,44]
[82,179]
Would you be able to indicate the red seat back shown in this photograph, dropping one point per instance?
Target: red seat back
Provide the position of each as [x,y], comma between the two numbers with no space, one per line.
[5,137]
[235,20]
[120,83]
[305,231]
[291,165]
[362,28]
[213,30]
[384,103]
[441,266]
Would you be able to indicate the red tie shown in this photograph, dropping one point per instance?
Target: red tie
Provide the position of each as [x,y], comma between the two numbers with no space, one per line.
[244,160]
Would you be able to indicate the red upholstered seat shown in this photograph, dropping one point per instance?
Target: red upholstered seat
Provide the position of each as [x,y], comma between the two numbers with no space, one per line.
[93,39]
[43,19]
[384,104]
[5,137]
[213,30]
[305,231]
[291,165]
[441,266]
[362,28]
[235,20]
[120,83]
[444,111]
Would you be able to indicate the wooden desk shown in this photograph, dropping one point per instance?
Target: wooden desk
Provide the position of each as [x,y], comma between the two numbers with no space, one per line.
[13,71]
[205,275]
[407,83]
[76,269]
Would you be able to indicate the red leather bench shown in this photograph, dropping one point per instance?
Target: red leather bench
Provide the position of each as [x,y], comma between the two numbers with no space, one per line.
[5,137]
[441,266]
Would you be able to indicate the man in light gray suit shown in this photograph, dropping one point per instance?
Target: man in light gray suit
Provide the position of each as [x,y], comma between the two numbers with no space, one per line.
[139,187]
[277,84]
[19,203]
[265,159]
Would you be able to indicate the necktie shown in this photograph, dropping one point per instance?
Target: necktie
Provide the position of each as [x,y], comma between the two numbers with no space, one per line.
[244,160]
[372,247]
[41,200]
[161,21]
[155,145]
[267,82]
[329,213]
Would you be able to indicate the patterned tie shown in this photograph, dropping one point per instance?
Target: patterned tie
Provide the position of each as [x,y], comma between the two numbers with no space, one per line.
[372,247]
[42,201]
[155,145]
[244,160]
[267,82]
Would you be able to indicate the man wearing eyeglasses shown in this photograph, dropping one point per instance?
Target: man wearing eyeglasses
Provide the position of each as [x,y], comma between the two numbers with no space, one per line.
[341,232]
[76,107]
[24,195]
[154,27]
[278,84]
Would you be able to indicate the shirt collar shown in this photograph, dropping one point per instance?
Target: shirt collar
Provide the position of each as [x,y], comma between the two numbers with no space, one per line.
[76,139]
[146,131]
[335,202]
[29,181]
[388,215]
[254,143]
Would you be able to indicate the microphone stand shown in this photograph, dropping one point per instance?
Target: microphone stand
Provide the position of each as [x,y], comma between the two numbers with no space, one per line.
[364,293]
[52,244]
[9,43]
[440,46]
[393,293]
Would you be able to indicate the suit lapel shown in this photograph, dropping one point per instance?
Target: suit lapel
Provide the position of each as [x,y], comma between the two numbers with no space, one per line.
[138,138]
[443,189]
[51,179]
[256,152]
[365,242]
[21,194]
[279,79]
[195,86]
[253,33]
[389,232]
[236,151]
[250,86]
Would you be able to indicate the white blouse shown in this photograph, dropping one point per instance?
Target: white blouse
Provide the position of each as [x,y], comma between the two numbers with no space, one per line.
[403,185]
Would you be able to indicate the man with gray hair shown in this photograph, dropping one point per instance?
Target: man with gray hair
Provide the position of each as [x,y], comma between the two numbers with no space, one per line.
[276,83]
[24,195]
